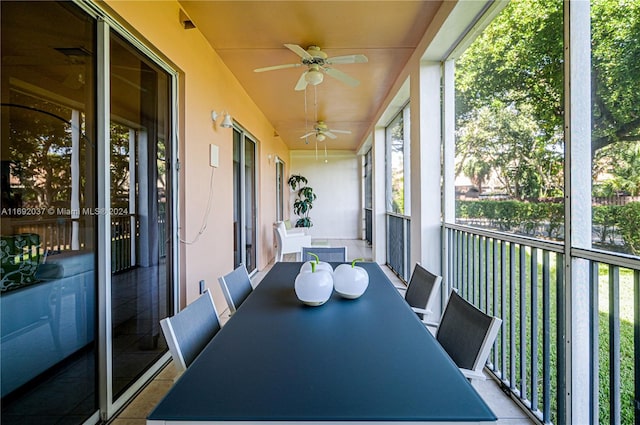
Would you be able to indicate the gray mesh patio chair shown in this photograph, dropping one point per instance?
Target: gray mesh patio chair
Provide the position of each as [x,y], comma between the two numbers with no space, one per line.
[467,335]
[325,253]
[190,330]
[421,290]
[236,287]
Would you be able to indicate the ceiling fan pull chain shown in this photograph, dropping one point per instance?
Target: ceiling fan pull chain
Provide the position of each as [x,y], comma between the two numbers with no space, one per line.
[315,100]
[306,118]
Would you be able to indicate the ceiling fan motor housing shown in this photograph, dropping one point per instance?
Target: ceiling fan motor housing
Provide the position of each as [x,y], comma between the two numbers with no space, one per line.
[317,56]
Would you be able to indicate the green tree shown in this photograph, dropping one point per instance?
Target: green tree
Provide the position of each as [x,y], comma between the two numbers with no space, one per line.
[508,141]
[518,67]
[518,61]
[619,167]
[615,71]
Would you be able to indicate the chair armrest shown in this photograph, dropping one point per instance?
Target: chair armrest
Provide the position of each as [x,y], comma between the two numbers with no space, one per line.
[294,236]
[421,310]
[296,230]
[401,289]
[470,374]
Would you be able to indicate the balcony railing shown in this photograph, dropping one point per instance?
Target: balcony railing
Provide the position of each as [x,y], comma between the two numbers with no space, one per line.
[399,244]
[368,225]
[521,281]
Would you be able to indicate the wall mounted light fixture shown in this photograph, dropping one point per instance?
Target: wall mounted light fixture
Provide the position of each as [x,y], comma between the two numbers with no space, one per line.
[226,121]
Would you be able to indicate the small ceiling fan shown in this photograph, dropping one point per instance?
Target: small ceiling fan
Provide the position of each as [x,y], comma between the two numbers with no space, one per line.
[317,63]
[322,131]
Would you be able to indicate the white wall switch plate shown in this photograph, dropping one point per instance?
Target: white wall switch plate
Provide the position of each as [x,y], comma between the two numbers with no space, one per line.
[213,156]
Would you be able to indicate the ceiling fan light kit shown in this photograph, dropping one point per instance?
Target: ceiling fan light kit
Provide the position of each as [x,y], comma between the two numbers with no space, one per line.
[313,77]
[319,63]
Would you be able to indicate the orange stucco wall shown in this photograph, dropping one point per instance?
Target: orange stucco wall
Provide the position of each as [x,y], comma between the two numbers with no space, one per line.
[205,85]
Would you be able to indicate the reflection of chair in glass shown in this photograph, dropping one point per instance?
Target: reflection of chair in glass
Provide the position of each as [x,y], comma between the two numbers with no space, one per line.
[467,335]
[190,330]
[325,253]
[420,293]
[236,287]
[289,242]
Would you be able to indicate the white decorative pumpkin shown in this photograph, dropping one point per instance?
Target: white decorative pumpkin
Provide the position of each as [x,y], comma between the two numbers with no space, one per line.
[314,288]
[350,281]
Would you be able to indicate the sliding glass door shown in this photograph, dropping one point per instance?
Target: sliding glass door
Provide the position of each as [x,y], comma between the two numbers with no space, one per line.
[141,271]
[48,246]
[244,199]
[279,189]
[82,288]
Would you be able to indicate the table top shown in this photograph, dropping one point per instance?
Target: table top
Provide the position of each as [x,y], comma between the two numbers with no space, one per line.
[368,359]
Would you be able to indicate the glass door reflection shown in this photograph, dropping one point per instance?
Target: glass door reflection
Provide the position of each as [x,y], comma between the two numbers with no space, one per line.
[140,266]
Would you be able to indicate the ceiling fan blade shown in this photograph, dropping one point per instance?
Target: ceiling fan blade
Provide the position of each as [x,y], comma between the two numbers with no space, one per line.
[302,82]
[272,68]
[340,131]
[339,75]
[311,133]
[348,59]
[329,134]
[298,51]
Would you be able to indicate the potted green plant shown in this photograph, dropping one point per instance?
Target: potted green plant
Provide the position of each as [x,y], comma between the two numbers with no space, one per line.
[304,199]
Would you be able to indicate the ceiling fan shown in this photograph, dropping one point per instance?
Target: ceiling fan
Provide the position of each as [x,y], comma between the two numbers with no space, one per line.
[322,131]
[317,63]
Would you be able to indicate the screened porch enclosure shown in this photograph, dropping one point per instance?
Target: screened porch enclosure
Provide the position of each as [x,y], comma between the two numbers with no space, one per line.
[537,210]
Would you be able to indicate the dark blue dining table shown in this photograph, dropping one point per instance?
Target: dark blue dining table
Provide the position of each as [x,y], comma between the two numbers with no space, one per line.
[368,360]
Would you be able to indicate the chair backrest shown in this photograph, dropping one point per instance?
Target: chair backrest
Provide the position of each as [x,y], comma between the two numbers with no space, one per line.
[325,253]
[279,231]
[422,288]
[281,227]
[289,242]
[190,330]
[466,333]
[236,287]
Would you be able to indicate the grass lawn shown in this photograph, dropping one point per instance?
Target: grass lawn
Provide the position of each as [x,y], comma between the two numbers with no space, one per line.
[626,345]
[473,281]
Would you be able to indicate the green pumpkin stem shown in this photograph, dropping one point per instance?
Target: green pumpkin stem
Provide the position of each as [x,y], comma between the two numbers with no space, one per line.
[353,263]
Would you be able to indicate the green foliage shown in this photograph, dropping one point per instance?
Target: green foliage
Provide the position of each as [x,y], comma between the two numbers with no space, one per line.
[533,218]
[304,200]
[296,180]
[629,223]
[505,139]
[525,217]
[510,89]
[605,219]
[615,71]
[518,60]
[621,163]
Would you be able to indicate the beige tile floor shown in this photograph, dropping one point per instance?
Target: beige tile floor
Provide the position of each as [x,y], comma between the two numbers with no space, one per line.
[134,413]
